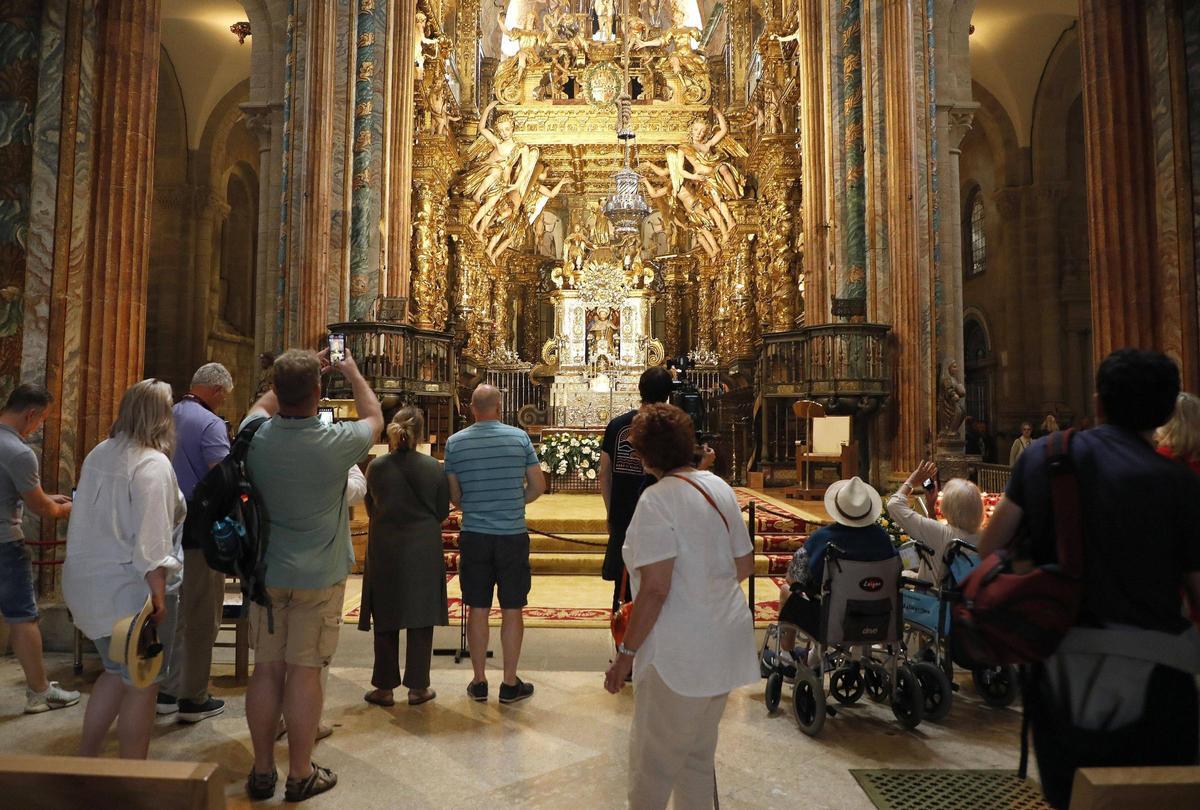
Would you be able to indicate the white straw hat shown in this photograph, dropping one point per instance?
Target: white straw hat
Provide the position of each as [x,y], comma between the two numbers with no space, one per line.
[135,646]
[853,503]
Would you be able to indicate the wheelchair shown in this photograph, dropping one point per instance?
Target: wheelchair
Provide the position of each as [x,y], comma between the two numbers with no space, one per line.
[858,645]
[927,630]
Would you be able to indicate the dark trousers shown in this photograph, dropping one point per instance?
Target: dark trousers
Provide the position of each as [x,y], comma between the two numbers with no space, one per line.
[417,652]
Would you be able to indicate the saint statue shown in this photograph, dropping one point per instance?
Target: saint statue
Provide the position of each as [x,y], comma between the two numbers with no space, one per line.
[440,109]
[575,249]
[603,9]
[952,404]
[510,75]
[419,43]
[602,333]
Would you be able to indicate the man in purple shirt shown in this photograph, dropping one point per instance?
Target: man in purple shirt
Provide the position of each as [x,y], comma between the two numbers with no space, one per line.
[201,440]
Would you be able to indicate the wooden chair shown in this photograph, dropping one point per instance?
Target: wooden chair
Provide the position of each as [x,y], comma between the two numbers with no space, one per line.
[807,455]
[233,620]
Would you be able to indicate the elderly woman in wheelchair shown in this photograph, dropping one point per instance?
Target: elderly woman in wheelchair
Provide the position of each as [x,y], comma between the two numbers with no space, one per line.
[843,597]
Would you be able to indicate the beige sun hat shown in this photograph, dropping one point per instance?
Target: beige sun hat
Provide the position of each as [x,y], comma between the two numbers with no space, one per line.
[853,503]
[134,645]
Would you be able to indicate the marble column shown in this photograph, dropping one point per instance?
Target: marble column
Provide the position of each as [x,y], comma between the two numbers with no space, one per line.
[1120,174]
[954,121]
[111,289]
[811,53]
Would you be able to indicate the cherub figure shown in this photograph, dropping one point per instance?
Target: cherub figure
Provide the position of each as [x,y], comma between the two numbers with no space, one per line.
[440,109]
[419,43]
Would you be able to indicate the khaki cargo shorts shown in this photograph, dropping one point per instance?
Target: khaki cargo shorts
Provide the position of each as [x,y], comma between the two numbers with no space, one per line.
[307,625]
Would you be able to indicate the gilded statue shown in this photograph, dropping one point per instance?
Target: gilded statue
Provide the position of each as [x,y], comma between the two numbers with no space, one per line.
[510,75]
[696,218]
[602,332]
[768,117]
[636,269]
[439,101]
[495,164]
[599,225]
[687,72]
[562,30]
[575,250]
[520,212]
[708,163]
[419,43]
[952,402]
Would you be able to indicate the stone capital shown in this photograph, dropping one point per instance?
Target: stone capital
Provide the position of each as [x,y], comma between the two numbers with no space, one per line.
[260,119]
[958,117]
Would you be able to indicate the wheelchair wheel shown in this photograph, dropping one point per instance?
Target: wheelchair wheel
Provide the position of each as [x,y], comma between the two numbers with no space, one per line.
[764,670]
[847,685]
[936,689]
[773,691]
[877,682]
[808,701]
[996,685]
[908,702]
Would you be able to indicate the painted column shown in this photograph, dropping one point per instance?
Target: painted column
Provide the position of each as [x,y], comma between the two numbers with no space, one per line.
[852,282]
[367,156]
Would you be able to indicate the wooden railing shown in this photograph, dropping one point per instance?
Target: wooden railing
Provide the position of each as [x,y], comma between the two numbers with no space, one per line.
[397,359]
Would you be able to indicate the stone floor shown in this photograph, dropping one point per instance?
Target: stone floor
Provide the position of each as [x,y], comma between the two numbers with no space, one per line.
[565,748]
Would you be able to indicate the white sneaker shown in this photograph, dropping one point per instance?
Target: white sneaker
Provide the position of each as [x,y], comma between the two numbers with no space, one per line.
[55,697]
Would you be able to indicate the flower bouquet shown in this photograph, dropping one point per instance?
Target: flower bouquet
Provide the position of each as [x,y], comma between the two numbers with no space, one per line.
[570,455]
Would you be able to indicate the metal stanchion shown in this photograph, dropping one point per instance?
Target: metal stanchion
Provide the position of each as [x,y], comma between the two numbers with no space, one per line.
[461,651]
[753,556]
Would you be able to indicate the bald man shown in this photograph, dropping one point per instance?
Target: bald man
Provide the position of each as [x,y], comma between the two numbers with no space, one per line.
[493,472]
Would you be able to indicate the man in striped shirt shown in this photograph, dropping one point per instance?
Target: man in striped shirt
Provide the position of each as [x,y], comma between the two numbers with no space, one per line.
[493,472]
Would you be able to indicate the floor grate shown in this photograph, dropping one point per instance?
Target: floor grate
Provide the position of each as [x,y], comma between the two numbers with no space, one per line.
[949,790]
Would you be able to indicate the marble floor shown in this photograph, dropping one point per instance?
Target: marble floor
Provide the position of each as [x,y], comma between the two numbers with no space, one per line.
[564,748]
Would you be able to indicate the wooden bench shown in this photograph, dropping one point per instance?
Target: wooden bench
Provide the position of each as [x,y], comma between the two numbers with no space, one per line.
[57,783]
[1122,788]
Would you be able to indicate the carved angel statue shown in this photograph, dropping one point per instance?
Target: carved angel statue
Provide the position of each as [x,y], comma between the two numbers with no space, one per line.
[708,163]
[511,73]
[687,211]
[521,212]
[575,250]
[495,163]
[440,109]
[419,43]
[641,274]
[562,32]
[685,63]
[952,402]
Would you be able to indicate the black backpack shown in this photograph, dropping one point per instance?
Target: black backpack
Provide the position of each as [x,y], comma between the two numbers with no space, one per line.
[226,518]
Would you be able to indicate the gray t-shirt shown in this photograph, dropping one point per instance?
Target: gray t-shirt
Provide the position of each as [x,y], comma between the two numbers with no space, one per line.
[299,467]
[18,473]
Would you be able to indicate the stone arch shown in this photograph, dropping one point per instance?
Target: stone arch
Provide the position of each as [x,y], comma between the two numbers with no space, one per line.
[993,122]
[1061,84]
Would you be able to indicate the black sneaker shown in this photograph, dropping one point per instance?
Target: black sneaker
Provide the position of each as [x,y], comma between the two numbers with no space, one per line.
[192,712]
[478,691]
[166,704]
[518,691]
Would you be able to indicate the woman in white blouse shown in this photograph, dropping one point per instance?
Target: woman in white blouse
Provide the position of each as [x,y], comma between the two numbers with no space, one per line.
[690,639]
[962,506]
[122,545]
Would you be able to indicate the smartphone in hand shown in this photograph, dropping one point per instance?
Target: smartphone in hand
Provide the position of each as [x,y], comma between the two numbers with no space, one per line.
[337,347]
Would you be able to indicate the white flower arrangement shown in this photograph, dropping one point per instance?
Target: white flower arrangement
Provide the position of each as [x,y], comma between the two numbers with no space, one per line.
[570,454]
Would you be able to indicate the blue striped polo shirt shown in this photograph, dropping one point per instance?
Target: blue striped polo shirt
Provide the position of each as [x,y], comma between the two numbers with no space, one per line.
[489,458]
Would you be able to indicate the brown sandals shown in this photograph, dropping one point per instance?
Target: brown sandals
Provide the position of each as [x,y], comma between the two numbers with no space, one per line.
[317,782]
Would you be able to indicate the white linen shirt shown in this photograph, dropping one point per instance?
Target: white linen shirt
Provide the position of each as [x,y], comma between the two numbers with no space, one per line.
[125,522]
[703,642]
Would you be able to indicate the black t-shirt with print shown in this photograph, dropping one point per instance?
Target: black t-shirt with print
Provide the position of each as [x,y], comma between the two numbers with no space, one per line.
[628,481]
[1141,525]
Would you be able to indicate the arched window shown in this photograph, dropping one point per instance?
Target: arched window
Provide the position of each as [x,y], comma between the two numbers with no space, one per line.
[974,240]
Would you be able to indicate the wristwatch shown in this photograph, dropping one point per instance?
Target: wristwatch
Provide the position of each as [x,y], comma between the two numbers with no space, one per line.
[623,650]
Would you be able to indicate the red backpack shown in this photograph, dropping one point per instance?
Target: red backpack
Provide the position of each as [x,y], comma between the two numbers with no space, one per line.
[1009,618]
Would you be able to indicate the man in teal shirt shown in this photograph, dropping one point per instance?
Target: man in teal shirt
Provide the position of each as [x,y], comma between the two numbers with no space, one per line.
[299,466]
[493,472]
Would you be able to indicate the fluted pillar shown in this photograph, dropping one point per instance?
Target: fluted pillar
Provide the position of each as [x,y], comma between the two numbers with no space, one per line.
[112,284]
[911,299]
[1120,173]
[811,53]
[399,134]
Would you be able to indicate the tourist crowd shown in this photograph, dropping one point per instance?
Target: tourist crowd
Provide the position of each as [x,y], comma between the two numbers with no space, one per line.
[676,537]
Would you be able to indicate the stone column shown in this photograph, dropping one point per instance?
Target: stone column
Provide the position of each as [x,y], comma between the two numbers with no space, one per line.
[263,121]
[1120,174]
[111,288]
[811,53]
[954,121]
[401,130]
[912,308]
[313,265]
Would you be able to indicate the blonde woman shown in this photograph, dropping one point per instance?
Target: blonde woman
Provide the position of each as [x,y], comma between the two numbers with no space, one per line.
[962,506]
[404,583]
[122,546]
[1179,439]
